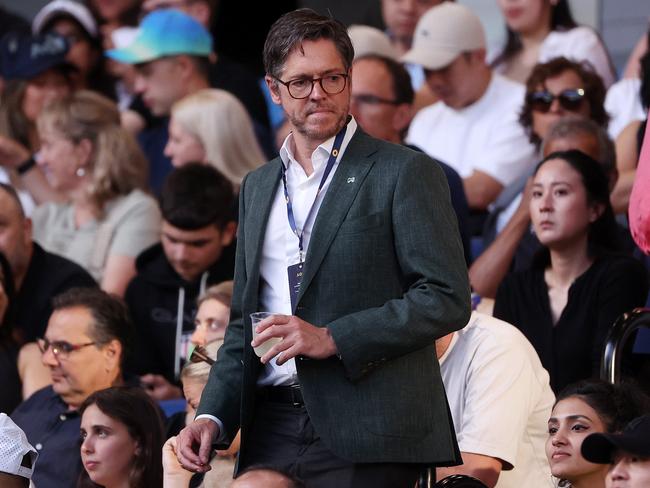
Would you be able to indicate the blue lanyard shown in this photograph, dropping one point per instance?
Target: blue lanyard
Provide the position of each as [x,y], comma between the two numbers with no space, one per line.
[338,140]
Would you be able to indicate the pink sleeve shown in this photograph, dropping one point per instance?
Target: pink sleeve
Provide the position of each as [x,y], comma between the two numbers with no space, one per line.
[639,210]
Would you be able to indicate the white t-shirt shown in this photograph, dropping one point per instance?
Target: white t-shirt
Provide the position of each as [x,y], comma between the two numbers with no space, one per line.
[578,44]
[500,399]
[623,104]
[484,136]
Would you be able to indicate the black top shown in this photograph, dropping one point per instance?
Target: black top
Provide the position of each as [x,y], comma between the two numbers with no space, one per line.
[154,297]
[572,349]
[10,387]
[47,276]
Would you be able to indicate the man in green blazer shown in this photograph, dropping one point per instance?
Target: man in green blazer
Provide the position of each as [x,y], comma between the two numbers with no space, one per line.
[353,244]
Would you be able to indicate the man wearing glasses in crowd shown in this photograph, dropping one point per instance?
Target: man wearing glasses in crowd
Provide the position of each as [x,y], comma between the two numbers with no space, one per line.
[83,347]
[352,244]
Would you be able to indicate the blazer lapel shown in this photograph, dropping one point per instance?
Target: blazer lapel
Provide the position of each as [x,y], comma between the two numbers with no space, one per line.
[343,188]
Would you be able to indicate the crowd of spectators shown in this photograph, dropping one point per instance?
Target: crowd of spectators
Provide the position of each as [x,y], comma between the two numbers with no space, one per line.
[124,144]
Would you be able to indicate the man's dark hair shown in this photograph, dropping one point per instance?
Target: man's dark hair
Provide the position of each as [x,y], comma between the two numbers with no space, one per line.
[111,318]
[292,481]
[402,87]
[197,195]
[592,84]
[294,28]
[11,191]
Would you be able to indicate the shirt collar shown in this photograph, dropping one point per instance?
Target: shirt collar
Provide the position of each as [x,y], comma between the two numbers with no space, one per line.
[323,150]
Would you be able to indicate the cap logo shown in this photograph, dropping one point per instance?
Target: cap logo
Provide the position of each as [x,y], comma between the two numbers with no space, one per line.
[50,45]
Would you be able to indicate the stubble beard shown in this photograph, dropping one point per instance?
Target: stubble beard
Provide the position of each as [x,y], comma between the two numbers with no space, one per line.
[320,134]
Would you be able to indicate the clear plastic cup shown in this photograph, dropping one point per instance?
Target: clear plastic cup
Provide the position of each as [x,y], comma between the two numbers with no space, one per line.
[263,348]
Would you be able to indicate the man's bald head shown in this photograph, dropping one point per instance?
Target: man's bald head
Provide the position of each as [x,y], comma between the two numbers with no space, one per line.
[15,233]
[10,192]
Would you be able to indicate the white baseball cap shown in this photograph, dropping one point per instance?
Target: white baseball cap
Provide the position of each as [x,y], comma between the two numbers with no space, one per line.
[17,456]
[70,8]
[368,40]
[443,33]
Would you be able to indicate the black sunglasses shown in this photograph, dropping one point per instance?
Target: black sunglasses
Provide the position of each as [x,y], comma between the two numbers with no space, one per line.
[570,100]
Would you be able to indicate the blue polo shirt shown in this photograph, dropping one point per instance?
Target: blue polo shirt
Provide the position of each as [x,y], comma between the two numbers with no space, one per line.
[53,430]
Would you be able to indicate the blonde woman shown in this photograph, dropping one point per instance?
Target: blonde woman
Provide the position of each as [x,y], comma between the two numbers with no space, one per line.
[91,159]
[194,377]
[212,126]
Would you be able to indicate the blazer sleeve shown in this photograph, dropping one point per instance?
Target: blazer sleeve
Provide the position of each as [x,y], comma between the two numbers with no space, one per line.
[221,396]
[436,300]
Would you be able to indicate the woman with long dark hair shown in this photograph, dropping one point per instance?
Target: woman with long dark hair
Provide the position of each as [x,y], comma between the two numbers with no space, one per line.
[540,30]
[579,283]
[122,439]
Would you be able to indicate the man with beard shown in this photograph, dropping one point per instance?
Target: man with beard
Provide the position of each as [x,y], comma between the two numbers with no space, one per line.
[352,244]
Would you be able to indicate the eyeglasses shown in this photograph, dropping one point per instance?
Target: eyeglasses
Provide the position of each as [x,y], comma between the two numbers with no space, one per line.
[302,87]
[60,349]
[373,100]
[199,354]
[570,100]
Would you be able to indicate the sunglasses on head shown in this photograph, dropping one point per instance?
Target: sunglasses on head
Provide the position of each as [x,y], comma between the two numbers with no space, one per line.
[570,100]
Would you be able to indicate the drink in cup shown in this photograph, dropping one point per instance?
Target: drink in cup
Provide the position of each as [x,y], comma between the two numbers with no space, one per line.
[263,348]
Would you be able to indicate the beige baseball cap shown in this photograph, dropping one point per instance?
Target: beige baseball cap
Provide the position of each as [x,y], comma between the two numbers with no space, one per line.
[443,33]
[368,40]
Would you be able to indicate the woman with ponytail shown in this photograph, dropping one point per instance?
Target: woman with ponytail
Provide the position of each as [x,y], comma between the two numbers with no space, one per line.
[581,409]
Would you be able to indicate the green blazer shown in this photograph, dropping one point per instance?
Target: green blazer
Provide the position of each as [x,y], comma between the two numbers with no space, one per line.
[385,272]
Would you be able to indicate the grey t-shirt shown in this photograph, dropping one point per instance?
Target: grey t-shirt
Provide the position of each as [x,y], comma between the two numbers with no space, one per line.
[130,224]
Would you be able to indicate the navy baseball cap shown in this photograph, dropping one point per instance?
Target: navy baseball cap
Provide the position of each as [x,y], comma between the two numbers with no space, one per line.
[635,439]
[166,32]
[23,57]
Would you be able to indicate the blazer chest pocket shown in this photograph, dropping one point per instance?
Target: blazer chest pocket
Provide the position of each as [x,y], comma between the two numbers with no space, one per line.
[364,223]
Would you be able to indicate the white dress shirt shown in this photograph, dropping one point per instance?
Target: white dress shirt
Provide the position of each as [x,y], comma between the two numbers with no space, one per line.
[280,248]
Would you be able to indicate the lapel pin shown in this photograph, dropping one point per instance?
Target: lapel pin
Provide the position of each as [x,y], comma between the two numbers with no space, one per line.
[351,179]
